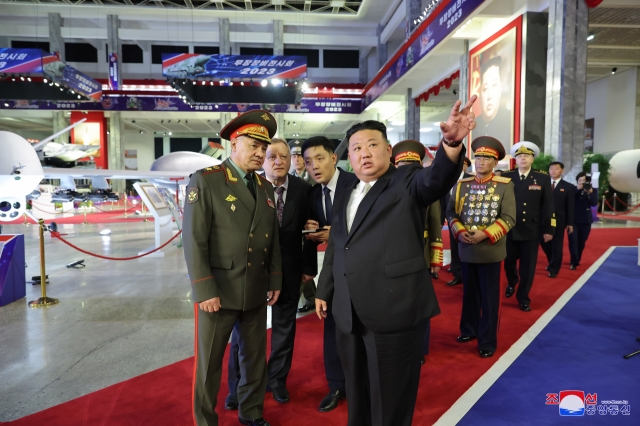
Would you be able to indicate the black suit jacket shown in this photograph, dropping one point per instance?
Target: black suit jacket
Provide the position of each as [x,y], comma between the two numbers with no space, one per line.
[563,203]
[298,256]
[583,204]
[316,210]
[534,205]
[379,267]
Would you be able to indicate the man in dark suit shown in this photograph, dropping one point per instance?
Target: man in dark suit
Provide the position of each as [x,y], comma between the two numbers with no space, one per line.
[454,266]
[534,217]
[374,270]
[563,202]
[232,251]
[299,263]
[332,181]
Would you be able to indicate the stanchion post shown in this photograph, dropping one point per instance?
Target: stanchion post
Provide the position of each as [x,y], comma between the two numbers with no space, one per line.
[84,208]
[44,300]
[603,201]
[144,213]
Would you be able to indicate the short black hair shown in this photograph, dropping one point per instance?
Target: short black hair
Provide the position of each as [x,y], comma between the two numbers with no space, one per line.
[318,141]
[557,163]
[585,175]
[496,61]
[367,125]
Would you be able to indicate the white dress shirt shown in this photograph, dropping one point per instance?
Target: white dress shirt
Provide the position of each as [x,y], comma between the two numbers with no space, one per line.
[356,197]
[333,183]
[556,182]
[286,189]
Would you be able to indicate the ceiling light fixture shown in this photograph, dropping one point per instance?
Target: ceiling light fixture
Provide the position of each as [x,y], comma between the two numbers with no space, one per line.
[264,83]
[591,36]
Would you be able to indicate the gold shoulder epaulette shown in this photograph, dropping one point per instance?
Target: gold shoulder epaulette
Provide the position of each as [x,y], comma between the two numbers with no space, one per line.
[542,171]
[211,169]
[467,179]
[501,179]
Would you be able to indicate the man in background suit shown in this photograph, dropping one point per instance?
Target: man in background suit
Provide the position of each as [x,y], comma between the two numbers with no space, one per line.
[534,217]
[297,165]
[298,264]
[374,270]
[454,267]
[563,203]
[321,165]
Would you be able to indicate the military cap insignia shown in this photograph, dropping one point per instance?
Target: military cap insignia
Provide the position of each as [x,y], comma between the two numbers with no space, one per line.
[192,196]
[265,116]
[230,198]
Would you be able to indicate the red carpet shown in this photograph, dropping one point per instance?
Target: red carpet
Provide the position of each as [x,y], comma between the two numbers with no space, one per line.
[163,397]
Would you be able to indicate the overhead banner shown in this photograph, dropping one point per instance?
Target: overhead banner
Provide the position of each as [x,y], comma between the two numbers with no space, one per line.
[30,62]
[192,66]
[169,103]
[113,72]
[420,44]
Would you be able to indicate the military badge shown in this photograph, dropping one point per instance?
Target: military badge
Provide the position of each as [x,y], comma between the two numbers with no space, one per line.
[494,205]
[496,197]
[477,219]
[472,205]
[494,213]
[230,198]
[271,203]
[265,117]
[472,197]
[480,197]
[485,220]
[478,212]
[192,196]
[535,187]
[230,177]
[473,228]
[491,190]
[485,205]
[233,207]
[470,212]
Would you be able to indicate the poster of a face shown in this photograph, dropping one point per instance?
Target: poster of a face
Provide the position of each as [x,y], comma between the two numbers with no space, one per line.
[492,78]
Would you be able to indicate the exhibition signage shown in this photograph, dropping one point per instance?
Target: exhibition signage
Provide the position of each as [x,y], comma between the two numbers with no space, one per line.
[12,269]
[421,42]
[36,62]
[173,103]
[193,66]
[113,72]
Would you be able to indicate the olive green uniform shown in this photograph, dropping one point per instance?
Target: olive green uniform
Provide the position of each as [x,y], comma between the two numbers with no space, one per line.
[232,251]
[433,248]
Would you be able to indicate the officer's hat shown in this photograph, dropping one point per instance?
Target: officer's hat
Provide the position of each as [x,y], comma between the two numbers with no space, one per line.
[486,146]
[295,147]
[525,148]
[257,124]
[408,150]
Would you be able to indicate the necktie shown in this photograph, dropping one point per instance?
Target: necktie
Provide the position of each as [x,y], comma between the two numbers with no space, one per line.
[280,204]
[553,184]
[250,184]
[328,205]
[522,177]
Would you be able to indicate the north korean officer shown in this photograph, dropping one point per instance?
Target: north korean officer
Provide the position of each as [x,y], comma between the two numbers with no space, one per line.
[535,216]
[481,214]
[231,248]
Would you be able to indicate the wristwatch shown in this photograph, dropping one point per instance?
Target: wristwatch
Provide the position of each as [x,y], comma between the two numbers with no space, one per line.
[451,144]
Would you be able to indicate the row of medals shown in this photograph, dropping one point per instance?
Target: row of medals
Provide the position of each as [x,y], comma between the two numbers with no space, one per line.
[479,202]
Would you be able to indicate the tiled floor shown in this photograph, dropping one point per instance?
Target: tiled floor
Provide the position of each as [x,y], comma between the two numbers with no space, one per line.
[115,319]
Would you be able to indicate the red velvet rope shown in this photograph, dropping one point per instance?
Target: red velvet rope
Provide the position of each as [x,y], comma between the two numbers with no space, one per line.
[58,236]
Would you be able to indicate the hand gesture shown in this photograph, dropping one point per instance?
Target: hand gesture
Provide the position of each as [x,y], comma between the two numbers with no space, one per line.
[460,122]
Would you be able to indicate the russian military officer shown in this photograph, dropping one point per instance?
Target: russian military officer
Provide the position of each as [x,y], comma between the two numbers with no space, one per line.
[232,252]
[409,152]
[299,169]
[535,216]
[480,215]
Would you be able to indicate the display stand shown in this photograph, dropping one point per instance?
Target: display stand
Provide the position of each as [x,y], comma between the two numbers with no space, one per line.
[163,219]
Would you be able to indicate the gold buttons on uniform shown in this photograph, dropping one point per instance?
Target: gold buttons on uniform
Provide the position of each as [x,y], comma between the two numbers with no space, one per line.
[266,235]
[524,204]
[262,263]
[250,235]
[524,220]
[250,249]
[265,250]
[249,264]
[524,212]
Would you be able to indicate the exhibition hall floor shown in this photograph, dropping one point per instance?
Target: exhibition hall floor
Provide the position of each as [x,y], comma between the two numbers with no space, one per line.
[120,319]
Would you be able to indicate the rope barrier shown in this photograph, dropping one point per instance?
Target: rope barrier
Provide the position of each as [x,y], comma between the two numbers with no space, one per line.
[44,211]
[58,236]
[625,204]
[621,213]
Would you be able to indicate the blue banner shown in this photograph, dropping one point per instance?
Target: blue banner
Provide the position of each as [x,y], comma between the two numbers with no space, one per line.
[113,72]
[192,66]
[70,77]
[20,61]
[448,19]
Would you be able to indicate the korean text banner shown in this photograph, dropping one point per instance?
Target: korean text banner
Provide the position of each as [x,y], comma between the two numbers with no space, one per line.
[452,15]
[191,66]
[20,61]
[70,77]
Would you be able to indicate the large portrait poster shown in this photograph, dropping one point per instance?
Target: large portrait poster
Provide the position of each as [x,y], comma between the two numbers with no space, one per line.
[494,75]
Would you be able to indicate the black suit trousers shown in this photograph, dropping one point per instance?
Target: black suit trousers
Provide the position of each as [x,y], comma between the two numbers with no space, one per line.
[577,241]
[553,249]
[481,303]
[382,374]
[332,364]
[455,257]
[521,275]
